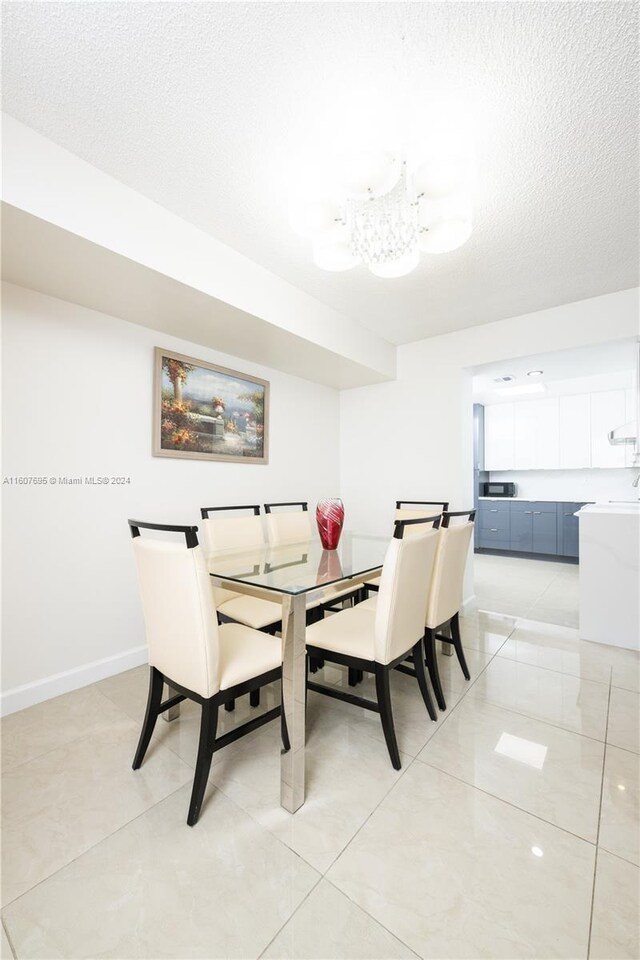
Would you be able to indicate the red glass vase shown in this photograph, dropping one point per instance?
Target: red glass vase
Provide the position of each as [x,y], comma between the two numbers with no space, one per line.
[330,518]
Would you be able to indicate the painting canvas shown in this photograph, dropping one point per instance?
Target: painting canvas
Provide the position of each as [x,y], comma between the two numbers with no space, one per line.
[207,412]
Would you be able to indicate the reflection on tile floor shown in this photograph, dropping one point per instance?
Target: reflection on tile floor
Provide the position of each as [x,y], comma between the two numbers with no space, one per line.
[538,589]
[510,815]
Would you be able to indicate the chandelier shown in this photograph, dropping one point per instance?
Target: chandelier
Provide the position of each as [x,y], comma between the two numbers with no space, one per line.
[382,210]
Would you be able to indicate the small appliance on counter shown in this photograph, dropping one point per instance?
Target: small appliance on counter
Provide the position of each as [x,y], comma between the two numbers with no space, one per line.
[497,488]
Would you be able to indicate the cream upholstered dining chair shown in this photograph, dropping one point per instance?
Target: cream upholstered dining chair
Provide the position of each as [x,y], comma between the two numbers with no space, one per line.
[223,531]
[376,640]
[294,526]
[188,650]
[409,510]
[446,594]
[287,526]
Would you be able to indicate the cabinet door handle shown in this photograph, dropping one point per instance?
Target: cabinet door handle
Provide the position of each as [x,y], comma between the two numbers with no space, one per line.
[493,510]
[494,529]
[528,511]
[568,514]
[537,511]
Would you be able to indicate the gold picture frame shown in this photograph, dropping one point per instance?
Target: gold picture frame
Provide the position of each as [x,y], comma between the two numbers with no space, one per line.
[205,412]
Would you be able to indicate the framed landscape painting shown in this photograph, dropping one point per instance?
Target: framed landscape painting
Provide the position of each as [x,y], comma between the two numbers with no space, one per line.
[205,412]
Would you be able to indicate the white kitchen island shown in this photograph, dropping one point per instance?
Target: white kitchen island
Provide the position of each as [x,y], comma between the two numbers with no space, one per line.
[610,573]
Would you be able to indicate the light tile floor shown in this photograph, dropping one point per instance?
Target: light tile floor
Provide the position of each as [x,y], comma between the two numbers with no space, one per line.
[512,829]
[538,589]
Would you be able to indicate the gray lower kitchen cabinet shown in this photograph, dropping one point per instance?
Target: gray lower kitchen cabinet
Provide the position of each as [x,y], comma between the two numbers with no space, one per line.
[567,527]
[521,527]
[533,526]
[545,536]
[493,524]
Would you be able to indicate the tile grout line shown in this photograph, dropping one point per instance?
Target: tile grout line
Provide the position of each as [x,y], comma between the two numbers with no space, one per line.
[624,749]
[292,915]
[375,919]
[67,743]
[394,785]
[91,847]
[368,817]
[550,723]
[595,861]
[413,760]
[509,803]
[348,844]
[323,875]
[9,940]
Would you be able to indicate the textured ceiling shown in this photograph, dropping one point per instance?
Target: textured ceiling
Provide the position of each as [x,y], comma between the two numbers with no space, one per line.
[204,107]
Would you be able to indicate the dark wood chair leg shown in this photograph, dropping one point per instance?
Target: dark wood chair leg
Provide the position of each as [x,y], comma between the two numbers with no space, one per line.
[383,693]
[254,698]
[457,645]
[418,661]
[154,699]
[208,725]
[230,706]
[353,676]
[432,664]
[313,665]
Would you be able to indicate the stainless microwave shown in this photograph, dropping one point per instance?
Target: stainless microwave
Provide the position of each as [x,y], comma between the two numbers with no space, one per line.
[495,488]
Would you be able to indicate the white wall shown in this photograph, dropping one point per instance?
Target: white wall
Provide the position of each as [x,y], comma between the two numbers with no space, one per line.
[77,399]
[49,182]
[576,485]
[413,438]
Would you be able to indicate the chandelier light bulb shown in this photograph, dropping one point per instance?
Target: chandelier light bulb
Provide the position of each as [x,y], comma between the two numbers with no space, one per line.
[334,253]
[367,173]
[445,235]
[397,268]
[314,217]
[440,176]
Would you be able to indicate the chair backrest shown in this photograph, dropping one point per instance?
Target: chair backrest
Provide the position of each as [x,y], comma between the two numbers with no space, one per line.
[222,532]
[179,612]
[288,526]
[418,510]
[445,593]
[402,600]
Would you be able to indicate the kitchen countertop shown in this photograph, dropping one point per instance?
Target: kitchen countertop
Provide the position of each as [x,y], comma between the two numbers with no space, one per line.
[534,499]
[625,507]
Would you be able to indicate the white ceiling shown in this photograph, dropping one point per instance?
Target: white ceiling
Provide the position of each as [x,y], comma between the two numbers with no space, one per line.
[598,367]
[203,107]
[43,257]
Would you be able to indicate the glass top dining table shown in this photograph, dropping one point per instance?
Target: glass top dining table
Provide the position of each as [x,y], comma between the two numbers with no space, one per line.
[296,574]
[296,568]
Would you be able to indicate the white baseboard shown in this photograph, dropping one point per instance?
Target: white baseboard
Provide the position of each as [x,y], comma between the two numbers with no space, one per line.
[31,693]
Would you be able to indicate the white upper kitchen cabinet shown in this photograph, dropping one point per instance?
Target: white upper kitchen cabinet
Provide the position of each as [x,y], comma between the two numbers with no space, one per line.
[575,431]
[537,435]
[524,444]
[567,433]
[547,434]
[608,411]
[499,436]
